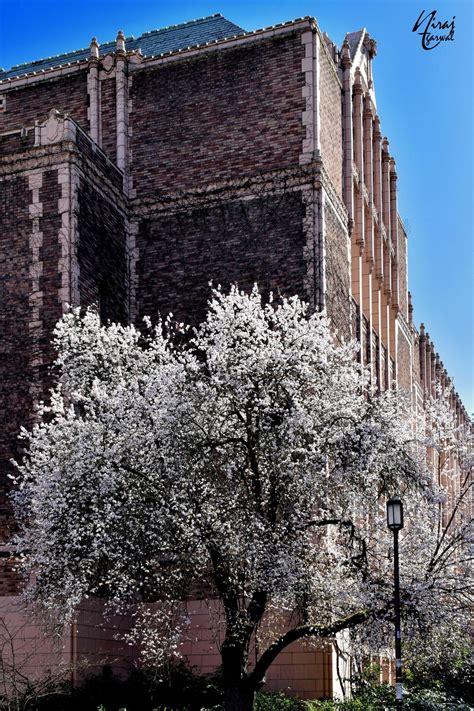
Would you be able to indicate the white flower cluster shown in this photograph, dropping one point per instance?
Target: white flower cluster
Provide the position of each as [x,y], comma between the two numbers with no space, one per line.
[253,460]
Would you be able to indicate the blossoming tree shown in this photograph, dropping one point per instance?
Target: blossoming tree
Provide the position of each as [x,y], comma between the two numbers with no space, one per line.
[248,456]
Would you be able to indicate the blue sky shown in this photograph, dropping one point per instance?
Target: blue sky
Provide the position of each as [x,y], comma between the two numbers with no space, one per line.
[424,99]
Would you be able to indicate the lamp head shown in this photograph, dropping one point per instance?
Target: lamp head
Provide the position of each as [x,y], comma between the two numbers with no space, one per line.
[395,513]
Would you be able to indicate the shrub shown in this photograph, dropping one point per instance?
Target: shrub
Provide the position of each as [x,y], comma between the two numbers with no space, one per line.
[278,701]
[172,687]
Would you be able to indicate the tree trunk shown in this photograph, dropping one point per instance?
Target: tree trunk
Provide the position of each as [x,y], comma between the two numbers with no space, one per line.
[239,697]
[239,691]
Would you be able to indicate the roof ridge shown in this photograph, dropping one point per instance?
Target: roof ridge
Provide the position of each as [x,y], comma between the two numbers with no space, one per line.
[130,38]
[53,56]
[181,24]
[78,56]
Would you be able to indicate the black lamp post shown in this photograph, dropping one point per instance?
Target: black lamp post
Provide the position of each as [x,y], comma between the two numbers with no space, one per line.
[395,523]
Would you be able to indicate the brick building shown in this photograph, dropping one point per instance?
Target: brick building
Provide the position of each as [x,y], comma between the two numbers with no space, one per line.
[133,173]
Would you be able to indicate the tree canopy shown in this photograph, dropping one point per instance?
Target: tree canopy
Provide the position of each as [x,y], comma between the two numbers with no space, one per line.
[248,456]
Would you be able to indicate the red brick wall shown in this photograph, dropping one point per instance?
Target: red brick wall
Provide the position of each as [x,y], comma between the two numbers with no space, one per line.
[16,143]
[228,113]
[331,120]
[101,253]
[17,348]
[99,160]
[259,240]
[50,281]
[14,342]
[34,101]
[109,119]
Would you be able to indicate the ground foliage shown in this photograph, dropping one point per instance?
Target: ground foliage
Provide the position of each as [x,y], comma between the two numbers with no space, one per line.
[176,686]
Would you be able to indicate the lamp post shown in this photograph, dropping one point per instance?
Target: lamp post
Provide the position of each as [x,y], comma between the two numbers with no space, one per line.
[395,524]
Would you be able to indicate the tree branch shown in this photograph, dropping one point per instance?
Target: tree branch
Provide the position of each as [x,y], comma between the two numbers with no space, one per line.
[293,635]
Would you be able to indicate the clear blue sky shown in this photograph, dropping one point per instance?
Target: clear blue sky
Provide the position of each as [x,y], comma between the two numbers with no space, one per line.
[425,101]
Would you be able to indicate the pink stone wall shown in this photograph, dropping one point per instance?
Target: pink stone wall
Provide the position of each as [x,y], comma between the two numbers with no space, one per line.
[300,670]
[404,364]
[99,640]
[29,651]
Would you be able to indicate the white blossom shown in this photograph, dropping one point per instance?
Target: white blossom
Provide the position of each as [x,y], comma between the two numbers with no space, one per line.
[254,460]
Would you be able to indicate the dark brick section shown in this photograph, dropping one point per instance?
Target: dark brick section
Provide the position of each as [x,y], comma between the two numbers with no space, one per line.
[89,149]
[102,254]
[15,375]
[26,353]
[50,281]
[259,240]
[16,143]
[34,101]
[109,118]
[10,578]
[19,347]
[210,118]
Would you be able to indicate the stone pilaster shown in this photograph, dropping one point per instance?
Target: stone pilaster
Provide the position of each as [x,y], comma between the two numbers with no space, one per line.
[437,369]
[132,249]
[121,85]
[320,249]
[394,233]
[347,129]
[311,94]
[422,347]
[386,216]
[358,160]
[429,365]
[68,267]
[93,89]
[35,183]
[369,177]
[377,158]
[358,126]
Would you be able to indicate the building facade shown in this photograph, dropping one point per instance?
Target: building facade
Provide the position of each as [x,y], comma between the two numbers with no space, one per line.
[134,173]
